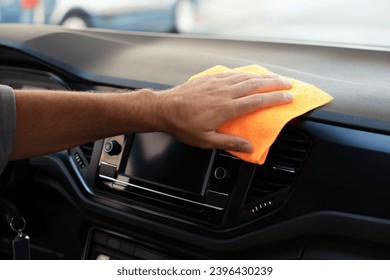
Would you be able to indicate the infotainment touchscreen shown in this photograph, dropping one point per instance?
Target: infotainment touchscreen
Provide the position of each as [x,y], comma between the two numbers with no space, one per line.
[157,159]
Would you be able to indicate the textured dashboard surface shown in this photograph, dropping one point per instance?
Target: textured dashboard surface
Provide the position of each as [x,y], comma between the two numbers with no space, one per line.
[357,79]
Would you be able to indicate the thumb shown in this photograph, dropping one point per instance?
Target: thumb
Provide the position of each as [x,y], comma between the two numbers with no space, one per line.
[231,143]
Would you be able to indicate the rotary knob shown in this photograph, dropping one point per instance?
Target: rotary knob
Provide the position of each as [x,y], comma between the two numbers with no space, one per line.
[221,174]
[112,148]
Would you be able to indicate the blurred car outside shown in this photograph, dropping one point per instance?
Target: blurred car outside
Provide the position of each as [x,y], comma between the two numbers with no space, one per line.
[137,15]
[10,11]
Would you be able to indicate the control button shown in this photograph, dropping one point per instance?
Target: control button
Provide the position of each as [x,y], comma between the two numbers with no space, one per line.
[127,248]
[114,243]
[107,170]
[100,238]
[217,199]
[221,174]
[112,148]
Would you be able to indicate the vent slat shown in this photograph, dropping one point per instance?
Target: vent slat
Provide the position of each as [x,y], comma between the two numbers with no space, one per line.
[284,161]
[291,138]
[290,148]
[87,150]
[284,158]
[271,184]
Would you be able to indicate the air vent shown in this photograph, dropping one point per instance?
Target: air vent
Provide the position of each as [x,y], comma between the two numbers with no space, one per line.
[87,150]
[282,166]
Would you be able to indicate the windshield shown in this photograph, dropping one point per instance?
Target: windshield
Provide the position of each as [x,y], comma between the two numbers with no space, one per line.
[354,22]
[334,21]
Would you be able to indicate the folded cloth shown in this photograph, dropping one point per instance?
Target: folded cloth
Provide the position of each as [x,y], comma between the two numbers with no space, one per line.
[262,127]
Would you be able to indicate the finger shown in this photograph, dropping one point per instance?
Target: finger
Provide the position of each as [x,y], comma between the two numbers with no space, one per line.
[225,74]
[242,77]
[259,86]
[255,102]
[252,78]
[230,143]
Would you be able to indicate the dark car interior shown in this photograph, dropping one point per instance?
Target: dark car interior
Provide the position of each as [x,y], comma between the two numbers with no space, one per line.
[323,192]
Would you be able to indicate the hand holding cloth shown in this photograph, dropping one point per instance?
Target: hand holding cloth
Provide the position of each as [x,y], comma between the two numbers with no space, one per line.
[262,127]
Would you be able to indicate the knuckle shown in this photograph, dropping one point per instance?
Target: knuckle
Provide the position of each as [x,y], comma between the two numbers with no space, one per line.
[230,146]
[255,83]
[257,100]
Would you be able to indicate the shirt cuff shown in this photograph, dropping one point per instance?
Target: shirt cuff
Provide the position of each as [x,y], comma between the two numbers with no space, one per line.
[7,123]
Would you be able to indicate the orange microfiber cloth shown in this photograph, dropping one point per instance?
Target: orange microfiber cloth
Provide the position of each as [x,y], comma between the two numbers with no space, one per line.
[263,126]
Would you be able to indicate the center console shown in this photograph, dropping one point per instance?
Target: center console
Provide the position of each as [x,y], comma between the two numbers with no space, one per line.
[161,177]
[155,169]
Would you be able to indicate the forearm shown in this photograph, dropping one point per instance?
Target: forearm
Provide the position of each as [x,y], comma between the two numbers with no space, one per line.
[52,121]
[192,112]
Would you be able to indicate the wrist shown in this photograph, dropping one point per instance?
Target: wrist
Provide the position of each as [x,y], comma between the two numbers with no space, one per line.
[137,111]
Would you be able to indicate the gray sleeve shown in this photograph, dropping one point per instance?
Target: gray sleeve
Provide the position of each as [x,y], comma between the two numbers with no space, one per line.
[7,123]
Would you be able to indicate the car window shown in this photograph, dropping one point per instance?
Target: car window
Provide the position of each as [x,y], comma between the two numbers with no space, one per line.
[346,21]
[355,22]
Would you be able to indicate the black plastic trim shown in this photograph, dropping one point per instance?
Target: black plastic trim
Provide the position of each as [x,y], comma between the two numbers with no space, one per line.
[321,222]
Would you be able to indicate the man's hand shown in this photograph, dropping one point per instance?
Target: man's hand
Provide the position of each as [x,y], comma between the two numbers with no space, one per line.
[194,111]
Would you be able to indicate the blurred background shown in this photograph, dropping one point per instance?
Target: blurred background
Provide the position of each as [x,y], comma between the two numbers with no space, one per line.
[344,21]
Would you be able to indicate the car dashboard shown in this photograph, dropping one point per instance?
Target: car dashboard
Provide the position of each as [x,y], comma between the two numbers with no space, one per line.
[323,192]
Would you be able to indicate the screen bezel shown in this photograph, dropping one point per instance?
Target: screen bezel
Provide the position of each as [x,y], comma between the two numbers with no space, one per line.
[161,187]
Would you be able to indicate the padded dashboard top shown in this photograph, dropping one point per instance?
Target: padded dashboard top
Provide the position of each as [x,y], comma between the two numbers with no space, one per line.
[358,79]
